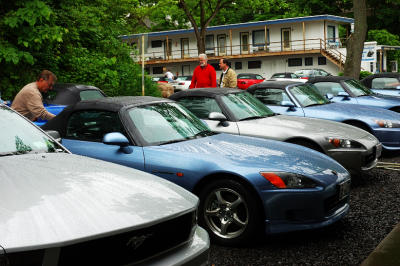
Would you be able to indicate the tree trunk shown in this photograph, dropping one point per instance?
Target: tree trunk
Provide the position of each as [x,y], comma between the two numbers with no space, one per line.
[355,43]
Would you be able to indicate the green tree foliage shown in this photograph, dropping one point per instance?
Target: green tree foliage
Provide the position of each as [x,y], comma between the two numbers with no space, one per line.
[386,38]
[77,40]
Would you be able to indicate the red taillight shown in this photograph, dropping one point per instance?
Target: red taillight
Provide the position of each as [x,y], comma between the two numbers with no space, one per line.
[304,77]
[274,179]
[181,83]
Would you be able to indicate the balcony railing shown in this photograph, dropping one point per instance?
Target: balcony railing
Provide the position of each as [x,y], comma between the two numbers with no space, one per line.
[250,50]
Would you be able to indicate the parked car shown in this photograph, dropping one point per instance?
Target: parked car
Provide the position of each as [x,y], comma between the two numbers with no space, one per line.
[57,208]
[286,75]
[160,79]
[310,73]
[244,80]
[353,148]
[181,83]
[245,185]
[350,91]
[303,99]
[383,83]
[64,94]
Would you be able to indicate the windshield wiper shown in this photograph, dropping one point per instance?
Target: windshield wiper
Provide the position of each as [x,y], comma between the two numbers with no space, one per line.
[253,117]
[204,133]
[314,104]
[171,141]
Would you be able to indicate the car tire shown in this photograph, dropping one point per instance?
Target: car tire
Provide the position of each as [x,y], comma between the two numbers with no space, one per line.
[229,212]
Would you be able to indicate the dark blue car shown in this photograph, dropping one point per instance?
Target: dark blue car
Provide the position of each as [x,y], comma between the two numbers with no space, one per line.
[245,185]
[350,91]
[299,99]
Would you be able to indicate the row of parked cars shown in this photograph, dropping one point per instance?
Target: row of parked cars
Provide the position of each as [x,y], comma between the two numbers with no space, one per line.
[219,146]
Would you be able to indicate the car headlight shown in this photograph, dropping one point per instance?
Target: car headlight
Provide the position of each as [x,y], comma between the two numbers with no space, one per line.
[387,124]
[288,180]
[344,143]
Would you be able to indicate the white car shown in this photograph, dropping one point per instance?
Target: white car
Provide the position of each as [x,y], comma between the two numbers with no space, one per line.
[181,83]
[62,209]
[288,76]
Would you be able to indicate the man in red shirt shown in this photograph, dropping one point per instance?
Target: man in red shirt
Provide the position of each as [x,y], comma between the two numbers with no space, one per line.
[204,75]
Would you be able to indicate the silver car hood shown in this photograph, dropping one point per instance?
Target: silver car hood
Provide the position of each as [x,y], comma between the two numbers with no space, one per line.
[283,126]
[58,199]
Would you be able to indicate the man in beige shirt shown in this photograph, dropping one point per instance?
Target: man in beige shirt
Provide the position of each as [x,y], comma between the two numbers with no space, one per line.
[29,100]
[228,77]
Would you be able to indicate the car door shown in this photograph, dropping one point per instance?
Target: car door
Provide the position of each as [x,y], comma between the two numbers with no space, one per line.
[275,99]
[84,135]
[202,107]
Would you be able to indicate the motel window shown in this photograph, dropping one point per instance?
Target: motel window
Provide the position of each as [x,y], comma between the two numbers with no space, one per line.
[308,61]
[210,42]
[321,60]
[258,37]
[238,65]
[156,44]
[157,70]
[292,62]
[254,64]
[331,34]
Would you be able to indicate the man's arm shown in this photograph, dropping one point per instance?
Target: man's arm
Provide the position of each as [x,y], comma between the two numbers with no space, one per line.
[232,79]
[35,106]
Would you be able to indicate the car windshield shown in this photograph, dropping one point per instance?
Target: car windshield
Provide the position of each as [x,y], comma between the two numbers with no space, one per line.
[308,95]
[90,95]
[357,88]
[164,123]
[20,136]
[245,106]
[183,78]
[246,76]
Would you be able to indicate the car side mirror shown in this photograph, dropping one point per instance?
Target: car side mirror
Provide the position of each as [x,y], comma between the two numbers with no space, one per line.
[397,87]
[54,134]
[116,138]
[289,104]
[329,96]
[219,117]
[345,95]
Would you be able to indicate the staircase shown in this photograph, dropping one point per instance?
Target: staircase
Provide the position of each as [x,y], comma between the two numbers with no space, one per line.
[333,54]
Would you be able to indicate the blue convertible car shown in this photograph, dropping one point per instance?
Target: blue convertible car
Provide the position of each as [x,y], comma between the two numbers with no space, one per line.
[245,184]
[383,83]
[299,99]
[351,91]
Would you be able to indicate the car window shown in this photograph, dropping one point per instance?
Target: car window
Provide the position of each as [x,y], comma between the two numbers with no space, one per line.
[19,136]
[329,87]
[90,95]
[259,77]
[384,83]
[244,105]
[294,76]
[279,75]
[184,78]
[93,125]
[271,96]
[166,122]
[245,76]
[308,95]
[357,88]
[200,106]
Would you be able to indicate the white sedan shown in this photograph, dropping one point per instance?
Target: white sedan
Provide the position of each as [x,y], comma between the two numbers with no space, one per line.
[181,83]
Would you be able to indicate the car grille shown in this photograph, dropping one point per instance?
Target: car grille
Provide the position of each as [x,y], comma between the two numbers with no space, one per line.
[370,157]
[333,203]
[130,247]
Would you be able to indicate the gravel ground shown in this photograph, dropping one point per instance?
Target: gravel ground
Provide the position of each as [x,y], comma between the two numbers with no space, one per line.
[374,211]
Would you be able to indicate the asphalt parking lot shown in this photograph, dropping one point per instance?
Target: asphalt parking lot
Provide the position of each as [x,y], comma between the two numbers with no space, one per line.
[374,211]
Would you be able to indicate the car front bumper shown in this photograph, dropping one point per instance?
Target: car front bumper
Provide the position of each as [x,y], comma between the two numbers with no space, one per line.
[196,252]
[389,137]
[304,209]
[357,161]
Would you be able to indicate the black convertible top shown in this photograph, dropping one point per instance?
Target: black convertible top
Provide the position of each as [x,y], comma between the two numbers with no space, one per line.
[67,93]
[328,79]
[383,75]
[206,92]
[278,84]
[113,104]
